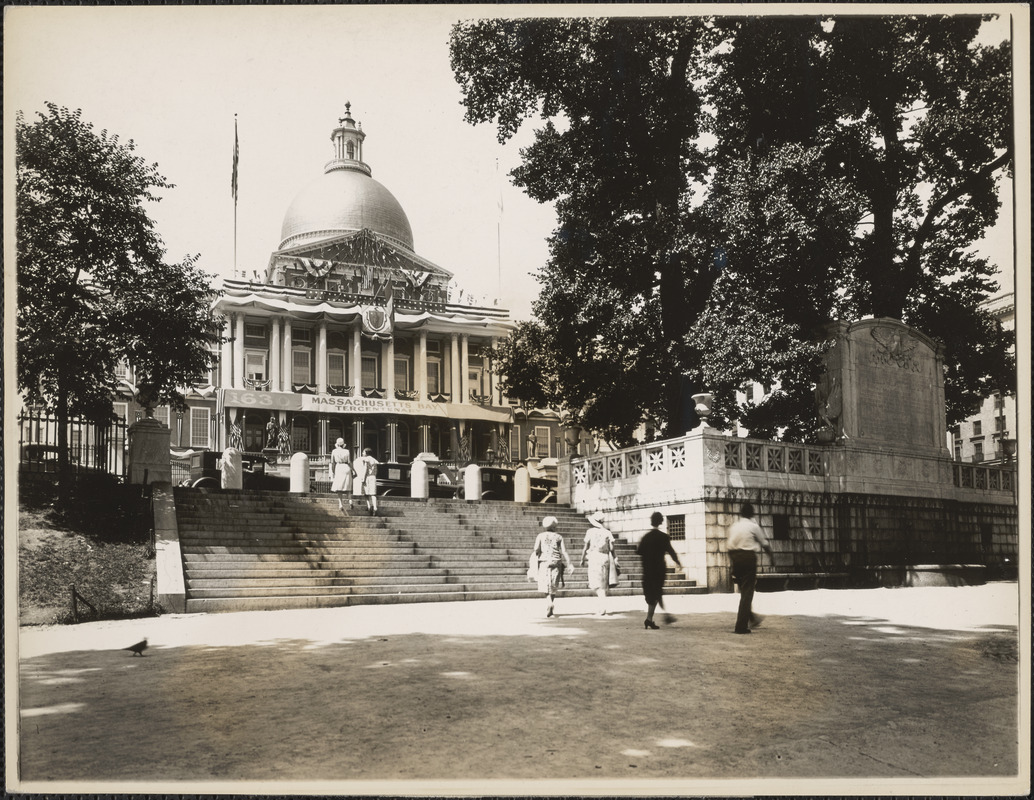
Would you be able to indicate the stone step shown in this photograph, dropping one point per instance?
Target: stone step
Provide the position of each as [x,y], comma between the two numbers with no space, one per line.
[226,604]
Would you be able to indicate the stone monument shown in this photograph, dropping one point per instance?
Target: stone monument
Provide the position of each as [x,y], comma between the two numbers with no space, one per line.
[884,387]
[882,398]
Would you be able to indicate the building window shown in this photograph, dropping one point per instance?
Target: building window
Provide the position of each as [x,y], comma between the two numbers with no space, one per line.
[301,335]
[121,370]
[255,335]
[978,451]
[434,346]
[255,365]
[300,436]
[213,371]
[301,366]
[199,420]
[958,450]
[121,410]
[677,527]
[515,442]
[402,373]
[336,369]
[780,526]
[542,441]
[434,376]
[977,428]
[475,377]
[370,372]
[161,413]
[999,424]
[402,440]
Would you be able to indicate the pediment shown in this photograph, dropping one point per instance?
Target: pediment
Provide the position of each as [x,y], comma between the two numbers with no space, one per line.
[363,249]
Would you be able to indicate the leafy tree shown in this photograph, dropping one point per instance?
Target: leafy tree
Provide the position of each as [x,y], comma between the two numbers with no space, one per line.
[855,161]
[93,285]
[913,116]
[787,233]
[615,154]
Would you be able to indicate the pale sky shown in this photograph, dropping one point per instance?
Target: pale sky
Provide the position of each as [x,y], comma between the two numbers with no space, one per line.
[172,79]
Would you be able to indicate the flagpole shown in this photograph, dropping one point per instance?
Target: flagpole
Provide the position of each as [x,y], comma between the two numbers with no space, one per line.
[499,239]
[233,184]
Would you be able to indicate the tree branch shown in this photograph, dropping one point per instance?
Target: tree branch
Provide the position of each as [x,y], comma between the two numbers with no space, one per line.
[926,229]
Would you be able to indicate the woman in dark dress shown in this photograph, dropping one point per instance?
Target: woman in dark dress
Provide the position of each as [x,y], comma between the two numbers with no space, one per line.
[652,549]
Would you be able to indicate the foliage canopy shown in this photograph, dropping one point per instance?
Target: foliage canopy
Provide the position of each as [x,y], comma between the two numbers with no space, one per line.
[93,284]
[726,187]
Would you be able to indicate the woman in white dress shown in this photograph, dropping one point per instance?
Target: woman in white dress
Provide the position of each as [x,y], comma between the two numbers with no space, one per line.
[341,473]
[366,479]
[550,555]
[599,547]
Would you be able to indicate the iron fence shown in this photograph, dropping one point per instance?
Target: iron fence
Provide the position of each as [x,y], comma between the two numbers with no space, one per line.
[102,448]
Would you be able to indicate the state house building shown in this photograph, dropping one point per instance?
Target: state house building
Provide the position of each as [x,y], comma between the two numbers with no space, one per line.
[349,333]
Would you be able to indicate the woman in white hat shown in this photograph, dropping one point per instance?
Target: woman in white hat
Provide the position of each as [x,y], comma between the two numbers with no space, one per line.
[551,554]
[599,547]
[341,472]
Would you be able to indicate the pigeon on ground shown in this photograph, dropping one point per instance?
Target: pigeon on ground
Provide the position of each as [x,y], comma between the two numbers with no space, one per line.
[138,648]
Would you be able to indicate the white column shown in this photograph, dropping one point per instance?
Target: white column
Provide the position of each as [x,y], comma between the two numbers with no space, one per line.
[388,353]
[286,361]
[420,374]
[491,377]
[275,381]
[357,369]
[454,369]
[238,353]
[226,361]
[321,359]
[464,369]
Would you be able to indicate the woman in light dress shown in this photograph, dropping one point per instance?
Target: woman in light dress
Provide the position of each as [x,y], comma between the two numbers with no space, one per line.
[341,473]
[599,547]
[550,553]
[366,479]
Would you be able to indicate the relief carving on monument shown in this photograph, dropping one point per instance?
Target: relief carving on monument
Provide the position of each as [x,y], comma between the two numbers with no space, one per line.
[894,347]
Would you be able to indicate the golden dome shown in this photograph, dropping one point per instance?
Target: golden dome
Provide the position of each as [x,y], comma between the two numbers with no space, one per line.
[345,198]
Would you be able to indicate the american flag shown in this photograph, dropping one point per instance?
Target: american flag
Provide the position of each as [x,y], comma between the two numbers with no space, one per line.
[283,439]
[236,439]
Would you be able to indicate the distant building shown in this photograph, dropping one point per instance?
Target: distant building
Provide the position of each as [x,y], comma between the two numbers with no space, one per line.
[978,438]
[349,333]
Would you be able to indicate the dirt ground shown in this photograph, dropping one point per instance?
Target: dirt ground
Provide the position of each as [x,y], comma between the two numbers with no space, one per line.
[886,689]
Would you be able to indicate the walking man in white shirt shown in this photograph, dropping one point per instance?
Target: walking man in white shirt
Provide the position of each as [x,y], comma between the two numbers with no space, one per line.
[746,540]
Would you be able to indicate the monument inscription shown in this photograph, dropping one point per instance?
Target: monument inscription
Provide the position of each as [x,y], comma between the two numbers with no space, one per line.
[890,378]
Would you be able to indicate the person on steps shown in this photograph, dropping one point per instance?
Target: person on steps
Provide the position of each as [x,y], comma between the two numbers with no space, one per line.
[366,479]
[341,473]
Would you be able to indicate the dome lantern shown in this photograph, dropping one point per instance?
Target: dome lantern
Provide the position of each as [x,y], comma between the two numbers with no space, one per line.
[345,198]
[348,145]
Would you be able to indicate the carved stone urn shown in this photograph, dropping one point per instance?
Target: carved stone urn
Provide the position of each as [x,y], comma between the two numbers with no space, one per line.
[702,405]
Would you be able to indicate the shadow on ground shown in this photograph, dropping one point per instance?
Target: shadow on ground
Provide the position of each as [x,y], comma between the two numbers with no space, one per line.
[578,697]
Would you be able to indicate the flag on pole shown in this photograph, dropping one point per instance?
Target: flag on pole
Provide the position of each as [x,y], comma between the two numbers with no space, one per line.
[236,156]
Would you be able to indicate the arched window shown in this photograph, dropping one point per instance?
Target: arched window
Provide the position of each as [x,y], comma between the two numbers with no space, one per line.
[350,150]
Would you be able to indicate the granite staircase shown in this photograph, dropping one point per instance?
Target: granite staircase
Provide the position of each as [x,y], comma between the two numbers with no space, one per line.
[250,550]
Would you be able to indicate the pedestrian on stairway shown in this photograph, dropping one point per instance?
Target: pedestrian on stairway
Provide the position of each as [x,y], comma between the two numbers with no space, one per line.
[366,479]
[341,473]
[652,549]
[551,555]
[599,547]
[745,541]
